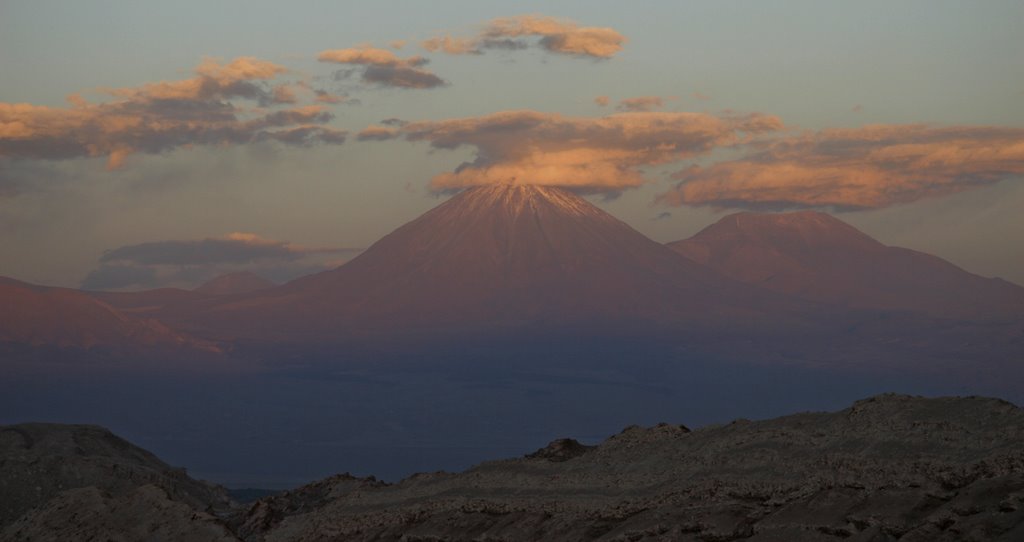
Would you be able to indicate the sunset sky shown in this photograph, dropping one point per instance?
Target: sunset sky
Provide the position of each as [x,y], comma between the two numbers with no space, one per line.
[147,144]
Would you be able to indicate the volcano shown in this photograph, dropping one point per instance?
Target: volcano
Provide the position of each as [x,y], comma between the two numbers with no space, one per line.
[819,257]
[497,257]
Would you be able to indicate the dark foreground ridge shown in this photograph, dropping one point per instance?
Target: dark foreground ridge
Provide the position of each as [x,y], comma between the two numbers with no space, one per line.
[888,468]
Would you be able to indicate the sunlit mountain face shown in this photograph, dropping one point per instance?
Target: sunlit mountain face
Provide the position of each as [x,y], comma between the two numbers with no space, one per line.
[389,242]
[816,256]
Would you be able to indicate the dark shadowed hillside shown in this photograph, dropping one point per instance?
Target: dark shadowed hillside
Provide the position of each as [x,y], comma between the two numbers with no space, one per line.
[40,462]
[890,467]
[887,468]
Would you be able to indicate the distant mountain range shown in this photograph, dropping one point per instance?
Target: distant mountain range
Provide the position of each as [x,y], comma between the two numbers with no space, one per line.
[63,318]
[235,283]
[520,259]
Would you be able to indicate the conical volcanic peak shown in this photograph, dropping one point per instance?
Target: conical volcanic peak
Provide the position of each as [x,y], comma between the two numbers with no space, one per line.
[821,258]
[797,230]
[510,255]
[510,234]
[518,199]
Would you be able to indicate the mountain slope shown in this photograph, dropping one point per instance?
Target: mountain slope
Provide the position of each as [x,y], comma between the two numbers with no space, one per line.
[234,283]
[38,461]
[147,301]
[60,317]
[818,257]
[492,257]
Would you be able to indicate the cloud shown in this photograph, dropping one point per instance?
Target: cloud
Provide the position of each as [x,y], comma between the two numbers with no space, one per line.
[860,168]
[559,36]
[377,133]
[190,262]
[602,101]
[602,154]
[640,103]
[323,96]
[158,117]
[384,68]
[452,46]
[698,95]
[232,248]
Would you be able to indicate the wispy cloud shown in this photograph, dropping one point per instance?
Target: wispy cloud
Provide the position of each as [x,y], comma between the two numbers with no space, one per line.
[377,133]
[596,154]
[162,116]
[559,36]
[641,103]
[383,67]
[860,168]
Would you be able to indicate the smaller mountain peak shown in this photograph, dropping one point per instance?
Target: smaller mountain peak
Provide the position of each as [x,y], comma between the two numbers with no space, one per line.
[235,283]
[804,227]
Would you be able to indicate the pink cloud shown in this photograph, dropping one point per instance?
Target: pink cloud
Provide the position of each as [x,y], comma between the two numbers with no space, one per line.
[861,168]
[157,117]
[591,154]
[558,36]
[641,103]
[385,68]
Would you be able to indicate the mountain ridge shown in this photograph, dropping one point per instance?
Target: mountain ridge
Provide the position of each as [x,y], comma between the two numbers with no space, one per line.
[239,282]
[820,258]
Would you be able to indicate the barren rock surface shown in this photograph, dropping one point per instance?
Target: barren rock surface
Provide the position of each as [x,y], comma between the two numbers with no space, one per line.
[145,513]
[888,468]
[38,461]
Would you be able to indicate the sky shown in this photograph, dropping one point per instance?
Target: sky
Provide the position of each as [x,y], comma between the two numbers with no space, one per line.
[148,144]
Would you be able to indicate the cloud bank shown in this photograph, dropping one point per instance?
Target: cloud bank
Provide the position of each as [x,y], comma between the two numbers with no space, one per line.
[602,154]
[190,262]
[158,117]
[862,168]
[559,36]
[382,67]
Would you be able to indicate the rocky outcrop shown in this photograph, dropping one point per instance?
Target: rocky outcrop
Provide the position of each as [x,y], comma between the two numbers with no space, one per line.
[39,461]
[145,513]
[559,450]
[887,468]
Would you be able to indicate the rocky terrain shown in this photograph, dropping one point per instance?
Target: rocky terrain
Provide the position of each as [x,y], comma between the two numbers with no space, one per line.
[887,468]
[57,479]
